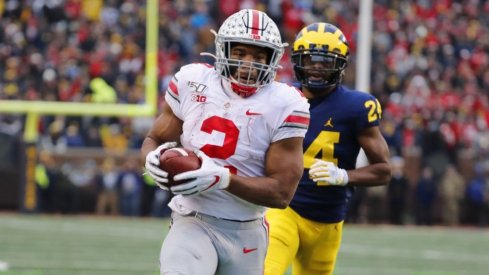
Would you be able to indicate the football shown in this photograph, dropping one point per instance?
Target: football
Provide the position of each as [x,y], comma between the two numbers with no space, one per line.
[178,160]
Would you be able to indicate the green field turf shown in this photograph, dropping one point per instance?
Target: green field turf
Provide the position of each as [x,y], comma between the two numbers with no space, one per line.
[35,245]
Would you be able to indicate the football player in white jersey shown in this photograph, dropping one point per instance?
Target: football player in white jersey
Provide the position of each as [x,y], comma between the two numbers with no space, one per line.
[248,130]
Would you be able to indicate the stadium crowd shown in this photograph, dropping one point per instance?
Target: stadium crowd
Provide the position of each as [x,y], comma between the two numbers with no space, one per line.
[430,70]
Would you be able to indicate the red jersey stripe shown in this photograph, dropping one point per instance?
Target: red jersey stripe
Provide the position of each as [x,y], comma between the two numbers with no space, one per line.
[297,119]
[173,87]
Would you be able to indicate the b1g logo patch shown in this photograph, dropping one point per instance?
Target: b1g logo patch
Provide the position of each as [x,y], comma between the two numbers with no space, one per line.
[197,90]
[198,98]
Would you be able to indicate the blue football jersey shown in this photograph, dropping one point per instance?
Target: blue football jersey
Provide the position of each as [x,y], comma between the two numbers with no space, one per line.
[332,136]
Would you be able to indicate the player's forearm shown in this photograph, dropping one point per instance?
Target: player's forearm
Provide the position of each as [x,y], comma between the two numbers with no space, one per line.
[371,175]
[264,191]
[148,145]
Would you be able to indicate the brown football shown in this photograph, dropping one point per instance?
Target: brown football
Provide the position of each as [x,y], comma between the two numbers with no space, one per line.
[178,160]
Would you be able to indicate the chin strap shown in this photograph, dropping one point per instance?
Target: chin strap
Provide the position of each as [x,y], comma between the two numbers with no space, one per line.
[243,91]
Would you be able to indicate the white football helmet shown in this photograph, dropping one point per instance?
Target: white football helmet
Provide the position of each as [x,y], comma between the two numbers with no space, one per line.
[249,27]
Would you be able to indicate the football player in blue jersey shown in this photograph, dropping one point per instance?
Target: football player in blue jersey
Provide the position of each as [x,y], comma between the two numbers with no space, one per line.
[307,234]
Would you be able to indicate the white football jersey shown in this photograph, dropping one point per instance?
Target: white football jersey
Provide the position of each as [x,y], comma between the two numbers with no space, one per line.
[236,132]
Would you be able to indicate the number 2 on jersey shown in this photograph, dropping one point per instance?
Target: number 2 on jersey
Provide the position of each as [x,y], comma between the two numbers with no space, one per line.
[231,134]
[324,145]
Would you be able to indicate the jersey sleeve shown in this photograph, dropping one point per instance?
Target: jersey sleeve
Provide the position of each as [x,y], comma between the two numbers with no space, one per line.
[294,120]
[177,94]
[172,95]
[368,111]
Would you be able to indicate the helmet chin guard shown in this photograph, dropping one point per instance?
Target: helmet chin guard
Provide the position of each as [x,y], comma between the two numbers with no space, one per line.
[243,90]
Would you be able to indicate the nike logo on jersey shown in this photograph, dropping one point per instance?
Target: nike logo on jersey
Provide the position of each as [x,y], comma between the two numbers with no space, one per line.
[248,250]
[250,113]
[329,123]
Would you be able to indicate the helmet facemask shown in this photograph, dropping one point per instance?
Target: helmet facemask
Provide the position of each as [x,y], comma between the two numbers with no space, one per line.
[250,28]
[327,72]
[244,75]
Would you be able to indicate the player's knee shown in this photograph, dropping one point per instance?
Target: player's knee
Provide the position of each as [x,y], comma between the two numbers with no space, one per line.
[323,267]
[273,271]
[274,267]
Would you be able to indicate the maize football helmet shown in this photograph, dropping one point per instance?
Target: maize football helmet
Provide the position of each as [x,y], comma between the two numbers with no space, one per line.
[320,56]
[249,27]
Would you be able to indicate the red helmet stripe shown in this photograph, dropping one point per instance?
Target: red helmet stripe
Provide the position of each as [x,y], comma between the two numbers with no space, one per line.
[255,22]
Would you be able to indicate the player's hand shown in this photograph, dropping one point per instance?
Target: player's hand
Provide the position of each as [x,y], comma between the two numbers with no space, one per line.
[152,164]
[209,177]
[328,173]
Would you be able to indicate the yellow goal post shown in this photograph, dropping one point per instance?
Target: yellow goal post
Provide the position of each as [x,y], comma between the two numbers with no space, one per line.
[35,109]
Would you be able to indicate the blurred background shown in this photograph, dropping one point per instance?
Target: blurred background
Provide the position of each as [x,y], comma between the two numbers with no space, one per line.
[429,70]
